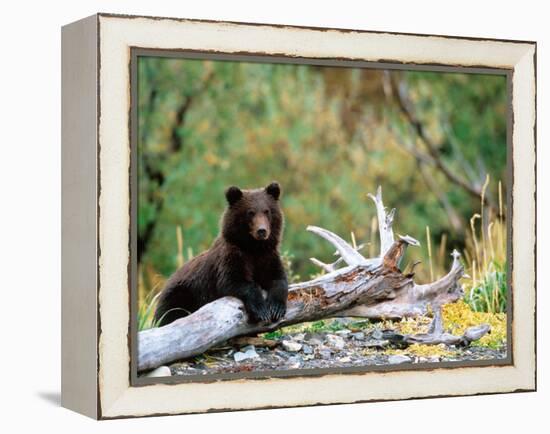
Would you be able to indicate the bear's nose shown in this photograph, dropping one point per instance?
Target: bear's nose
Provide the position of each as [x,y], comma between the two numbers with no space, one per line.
[262,233]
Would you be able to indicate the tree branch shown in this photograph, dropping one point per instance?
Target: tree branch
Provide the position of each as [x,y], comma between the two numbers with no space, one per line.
[406,108]
[385,222]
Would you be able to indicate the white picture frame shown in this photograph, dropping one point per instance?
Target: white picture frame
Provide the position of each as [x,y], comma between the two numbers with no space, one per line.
[96,255]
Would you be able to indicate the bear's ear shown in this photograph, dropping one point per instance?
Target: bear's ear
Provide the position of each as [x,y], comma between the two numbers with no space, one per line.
[233,195]
[274,189]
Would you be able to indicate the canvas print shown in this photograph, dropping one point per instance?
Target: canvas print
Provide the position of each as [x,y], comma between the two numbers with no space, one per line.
[305,218]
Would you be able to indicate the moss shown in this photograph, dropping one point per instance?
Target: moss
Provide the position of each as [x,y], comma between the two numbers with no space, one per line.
[421,350]
[409,326]
[458,316]
[320,326]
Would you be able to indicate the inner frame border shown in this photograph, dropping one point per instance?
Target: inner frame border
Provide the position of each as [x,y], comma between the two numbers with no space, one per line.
[250,57]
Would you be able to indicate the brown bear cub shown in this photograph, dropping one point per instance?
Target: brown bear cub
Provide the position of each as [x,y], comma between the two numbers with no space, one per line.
[242,262]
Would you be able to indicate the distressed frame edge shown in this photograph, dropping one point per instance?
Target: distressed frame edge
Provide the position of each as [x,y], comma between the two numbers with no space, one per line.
[306,27]
[370,400]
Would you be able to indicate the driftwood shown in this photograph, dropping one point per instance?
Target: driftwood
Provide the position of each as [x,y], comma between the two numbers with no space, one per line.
[373,288]
[437,335]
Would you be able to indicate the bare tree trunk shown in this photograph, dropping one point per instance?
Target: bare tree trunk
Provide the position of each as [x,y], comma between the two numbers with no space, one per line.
[373,288]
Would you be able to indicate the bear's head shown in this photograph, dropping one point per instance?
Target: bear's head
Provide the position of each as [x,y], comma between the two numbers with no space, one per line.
[253,217]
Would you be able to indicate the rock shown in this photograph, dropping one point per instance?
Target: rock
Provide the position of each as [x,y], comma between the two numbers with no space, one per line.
[161,371]
[307,349]
[250,353]
[377,334]
[344,332]
[298,337]
[336,342]
[281,353]
[295,362]
[397,359]
[375,344]
[239,356]
[315,341]
[359,336]
[292,346]
[325,353]
[346,359]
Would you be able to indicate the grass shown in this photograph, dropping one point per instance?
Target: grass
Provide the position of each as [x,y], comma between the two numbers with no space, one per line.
[146,311]
[485,257]
[489,293]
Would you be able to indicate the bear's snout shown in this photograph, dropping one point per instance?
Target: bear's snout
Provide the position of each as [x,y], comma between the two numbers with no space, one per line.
[260,228]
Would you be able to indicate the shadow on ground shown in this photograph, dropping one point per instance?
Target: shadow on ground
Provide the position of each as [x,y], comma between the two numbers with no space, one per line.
[52,398]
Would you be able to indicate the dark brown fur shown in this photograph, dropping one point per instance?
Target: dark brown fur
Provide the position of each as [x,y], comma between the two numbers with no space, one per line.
[243,261]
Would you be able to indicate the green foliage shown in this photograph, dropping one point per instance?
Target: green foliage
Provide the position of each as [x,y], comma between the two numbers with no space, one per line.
[328,135]
[287,259]
[146,310]
[276,334]
[489,295]
[321,326]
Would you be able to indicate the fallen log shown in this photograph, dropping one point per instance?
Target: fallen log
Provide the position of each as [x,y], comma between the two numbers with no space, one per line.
[373,288]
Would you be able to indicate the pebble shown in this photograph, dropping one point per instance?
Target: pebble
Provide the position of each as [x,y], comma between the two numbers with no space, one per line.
[377,334]
[292,346]
[325,353]
[397,359]
[359,336]
[344,332]
[161,371]
[307,349]
[295,362]
[251,353]
[315,341]
[336,342]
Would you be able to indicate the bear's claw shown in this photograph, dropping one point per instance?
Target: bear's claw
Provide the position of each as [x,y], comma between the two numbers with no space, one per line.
[258,314]
[277,310]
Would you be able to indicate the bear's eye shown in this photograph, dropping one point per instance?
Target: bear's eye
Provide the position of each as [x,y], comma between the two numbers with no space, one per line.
[250,213]
[266,211]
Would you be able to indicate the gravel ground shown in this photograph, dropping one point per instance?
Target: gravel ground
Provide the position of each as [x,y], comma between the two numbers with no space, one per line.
[342,348]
